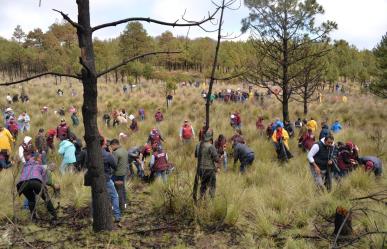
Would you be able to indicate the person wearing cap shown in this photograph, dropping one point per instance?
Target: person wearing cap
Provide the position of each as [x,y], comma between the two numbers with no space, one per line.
[372,164]
[133,126]
[24,122]
[26,148]
[186,132]
[74,118]
[8,113]
[63,130]
[208,158]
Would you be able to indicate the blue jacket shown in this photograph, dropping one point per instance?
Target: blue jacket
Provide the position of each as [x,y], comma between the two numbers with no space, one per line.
[336,127]
[277,124]
[67,150]
[324,132]
[109,164]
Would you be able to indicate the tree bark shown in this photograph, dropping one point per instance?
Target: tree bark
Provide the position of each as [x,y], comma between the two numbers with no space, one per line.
[102,217]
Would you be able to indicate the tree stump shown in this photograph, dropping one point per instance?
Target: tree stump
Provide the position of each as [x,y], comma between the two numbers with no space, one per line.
[343,216]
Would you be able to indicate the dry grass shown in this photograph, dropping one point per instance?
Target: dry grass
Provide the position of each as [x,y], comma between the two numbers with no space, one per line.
[270,199]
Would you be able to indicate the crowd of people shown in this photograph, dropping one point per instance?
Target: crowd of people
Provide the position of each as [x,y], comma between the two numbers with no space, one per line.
[327,160]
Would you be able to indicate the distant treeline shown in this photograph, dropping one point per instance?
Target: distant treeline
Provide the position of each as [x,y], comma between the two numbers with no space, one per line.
[57,51]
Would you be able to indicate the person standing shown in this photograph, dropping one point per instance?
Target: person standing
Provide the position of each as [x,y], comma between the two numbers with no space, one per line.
[119,174]
[207,157]
[109,165]
[320,161]
[24,122]
[6,141]
[186,132]
[159,163]
[75,119]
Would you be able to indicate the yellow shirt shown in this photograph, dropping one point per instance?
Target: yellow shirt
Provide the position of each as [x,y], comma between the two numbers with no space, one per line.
[312,124]
[6,140]
[285,135]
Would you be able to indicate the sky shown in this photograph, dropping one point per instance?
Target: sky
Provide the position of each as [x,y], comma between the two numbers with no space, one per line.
[362,23]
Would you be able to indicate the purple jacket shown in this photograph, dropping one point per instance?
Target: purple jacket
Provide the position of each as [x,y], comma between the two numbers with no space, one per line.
[33,170]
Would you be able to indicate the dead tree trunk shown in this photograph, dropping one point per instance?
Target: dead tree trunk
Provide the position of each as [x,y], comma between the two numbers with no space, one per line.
[102,218]
[343,222]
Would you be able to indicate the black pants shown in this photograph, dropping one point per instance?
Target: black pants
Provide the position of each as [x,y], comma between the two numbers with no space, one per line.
[207,180]
[30,189]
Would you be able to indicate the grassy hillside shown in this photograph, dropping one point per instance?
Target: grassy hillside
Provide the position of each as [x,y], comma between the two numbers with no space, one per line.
[272,206]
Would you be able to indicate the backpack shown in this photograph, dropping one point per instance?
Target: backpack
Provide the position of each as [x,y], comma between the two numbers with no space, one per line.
[187,132]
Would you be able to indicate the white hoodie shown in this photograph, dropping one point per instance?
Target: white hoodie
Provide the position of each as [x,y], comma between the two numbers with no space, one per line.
[26,140]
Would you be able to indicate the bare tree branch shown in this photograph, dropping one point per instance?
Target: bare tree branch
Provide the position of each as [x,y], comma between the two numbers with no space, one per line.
[124,62]
[38,76]
[149,20]
[67,18]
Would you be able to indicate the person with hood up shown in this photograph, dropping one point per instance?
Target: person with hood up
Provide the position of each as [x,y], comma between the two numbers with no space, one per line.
[26,148]
[336,127]
[13,127]
[280,138]
[312,124]
[324,131]
[6,141]
[133,126]
[67,151]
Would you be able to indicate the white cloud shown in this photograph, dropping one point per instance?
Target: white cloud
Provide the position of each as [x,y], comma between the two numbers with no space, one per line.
[360,22]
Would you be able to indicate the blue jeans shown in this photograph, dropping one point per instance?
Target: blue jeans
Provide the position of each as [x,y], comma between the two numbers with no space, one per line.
[246,162]
[163,175]
[114,199]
